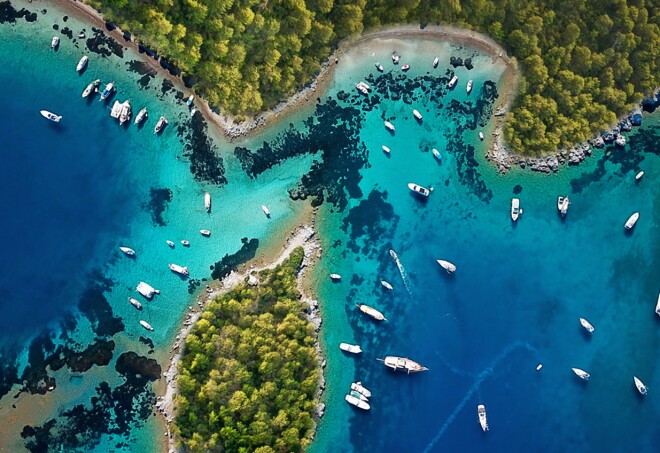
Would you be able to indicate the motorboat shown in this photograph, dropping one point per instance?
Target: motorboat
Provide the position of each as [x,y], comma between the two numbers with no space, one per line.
[125,113]
[51,116]
[107,91]
[81,35]
[657,306]
[362,88]
[206,233]
[639,175]
[379,67]
[354,399]
[135,303]
[389,126]
[395,58]
[620,140]
[481,136]
[266,211]
[641,388]
[190,100]
[417,114]
[182,270]
[128,251]
[539,367]
[405,67]
[581,374]
[162,122]
[483,421]
[193,111]
[82,63]
[146,325]
[370,311]
[185,243]
[402,363]
[446,265]
[207,201]
[468,87]
[386,285]
[587,325]
[435,62]
[335,277]
[515,209]
[423,191]
[632,220]
[452,82]
[362,390]
[436,154]
[55,43]
[386,149]
[141,116]
[562,205]
[352,348]
[170,243]
[146,290]
[91,87]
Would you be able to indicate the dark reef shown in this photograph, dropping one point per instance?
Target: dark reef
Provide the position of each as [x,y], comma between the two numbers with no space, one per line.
[159,198]
[206,165]
[104,45]
[8,14]
[370,221]
[230,263]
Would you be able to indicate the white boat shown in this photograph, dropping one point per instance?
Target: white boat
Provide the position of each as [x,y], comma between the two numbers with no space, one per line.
[386,285]
[193,111]
[394,255]
[81,35]
[446,265]
[185,243]
[452,82]
[481,136]
[50,116]
[162,122]
[632,220]
[417,114]
[657,306]
[125,113]
[352,348]
[405,67]
[362,390]
[354,399]
[170,243]
[107,91]
[587,325]
[562,205]
[483,421]
[386,149]
[207,201]
[146,325]
[641,388]
[190,100]
[581,374]
[515,209]
[539,367]
[468,88]
[639,175]
[115,111]
[88,90]
[54,44]
[379,67]
[389,126]
[266,211]
[206,233]
[146,290]
[370,311]
[620,140]
[135,303]
[423,191]
[335,277]
[179,269]
[436,154]
[402,363]
[435,62]
[141,116]
[395,58]
[82,63]
[127,250]
[363,88]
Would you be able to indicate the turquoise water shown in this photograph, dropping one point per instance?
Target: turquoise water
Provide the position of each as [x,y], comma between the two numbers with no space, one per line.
[76,191]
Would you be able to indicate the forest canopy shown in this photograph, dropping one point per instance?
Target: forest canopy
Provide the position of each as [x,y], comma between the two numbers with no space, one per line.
[584,62]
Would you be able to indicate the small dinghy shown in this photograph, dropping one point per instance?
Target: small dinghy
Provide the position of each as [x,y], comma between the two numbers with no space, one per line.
[207,201]
[587,325]
[170,243]
[135,303]
[335,277]
[405,67]
[185,243]
[436,154]
[481,136]
[639,175]
[389,126]
[379,67]
[146,325]
[55,43]
[352,348]
[160,125]
[386,285]
[205,233]
[435,62]
[417,115]
[190,100]
[128,251]
[386,149]
[266,211]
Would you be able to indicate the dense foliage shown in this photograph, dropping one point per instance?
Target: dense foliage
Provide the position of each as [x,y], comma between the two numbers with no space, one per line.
[249,372]
[584,61]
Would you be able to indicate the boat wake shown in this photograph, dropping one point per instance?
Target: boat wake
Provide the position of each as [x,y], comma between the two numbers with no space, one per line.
[475,387]
[402,271]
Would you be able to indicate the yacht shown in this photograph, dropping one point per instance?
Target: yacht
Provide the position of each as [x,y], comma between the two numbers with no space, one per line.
[88,90]
[127,250]
[363,88]
[115,111]
[402,363]
[468,88]
[379,67]
[207,201]
[435,62]
[146,325]
[125,113]
[170,243]
[587,325]
[146,290]
[162,122]
[423,191]
[562,205]
[190,100]
[185,243]
[483,421]
[335,277]
[82,63]
[639,175]
[657,306]
[354,399]
[446,265]
[370,311]
[135,303]
[107,91]
[141,116]
[632,220]
[436,154]
[386,149]
[581,374]
[352,348]
[405,67]
[362,390]
[641,388]
[452,82]
[389,126]
[481,136]
[417,114]
[55,43]
[386,285]
[515,209]
[179,269]
[266,211]
[50,116]
[206,233]
[395,58]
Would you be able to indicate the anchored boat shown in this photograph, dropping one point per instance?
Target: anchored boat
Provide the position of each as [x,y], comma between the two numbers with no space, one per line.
[587,325]
[146,325]
[162,122]
[141,116]
[435,62]
[386,149]
[515,209]
[125,113]
[423,191]
[207,201]
[358,387]
[135,303]
[468,88]
[352,348]
[417,114]
[402,363]
[372,312]
[146,290]
[657,306]
[82,63]
[91,87]
[562,205]
[452,82]
[386,285]
[206,233]
[639,175]
[266,211]
[389,126]
[51,116]
[483,421]
[436,154]
[448,266]
[335,277]
[379,67]
[632,220]
[354,399]
[641,388]
[182,270]
[107,91]
[55,43]
[128,251]
[581,374]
